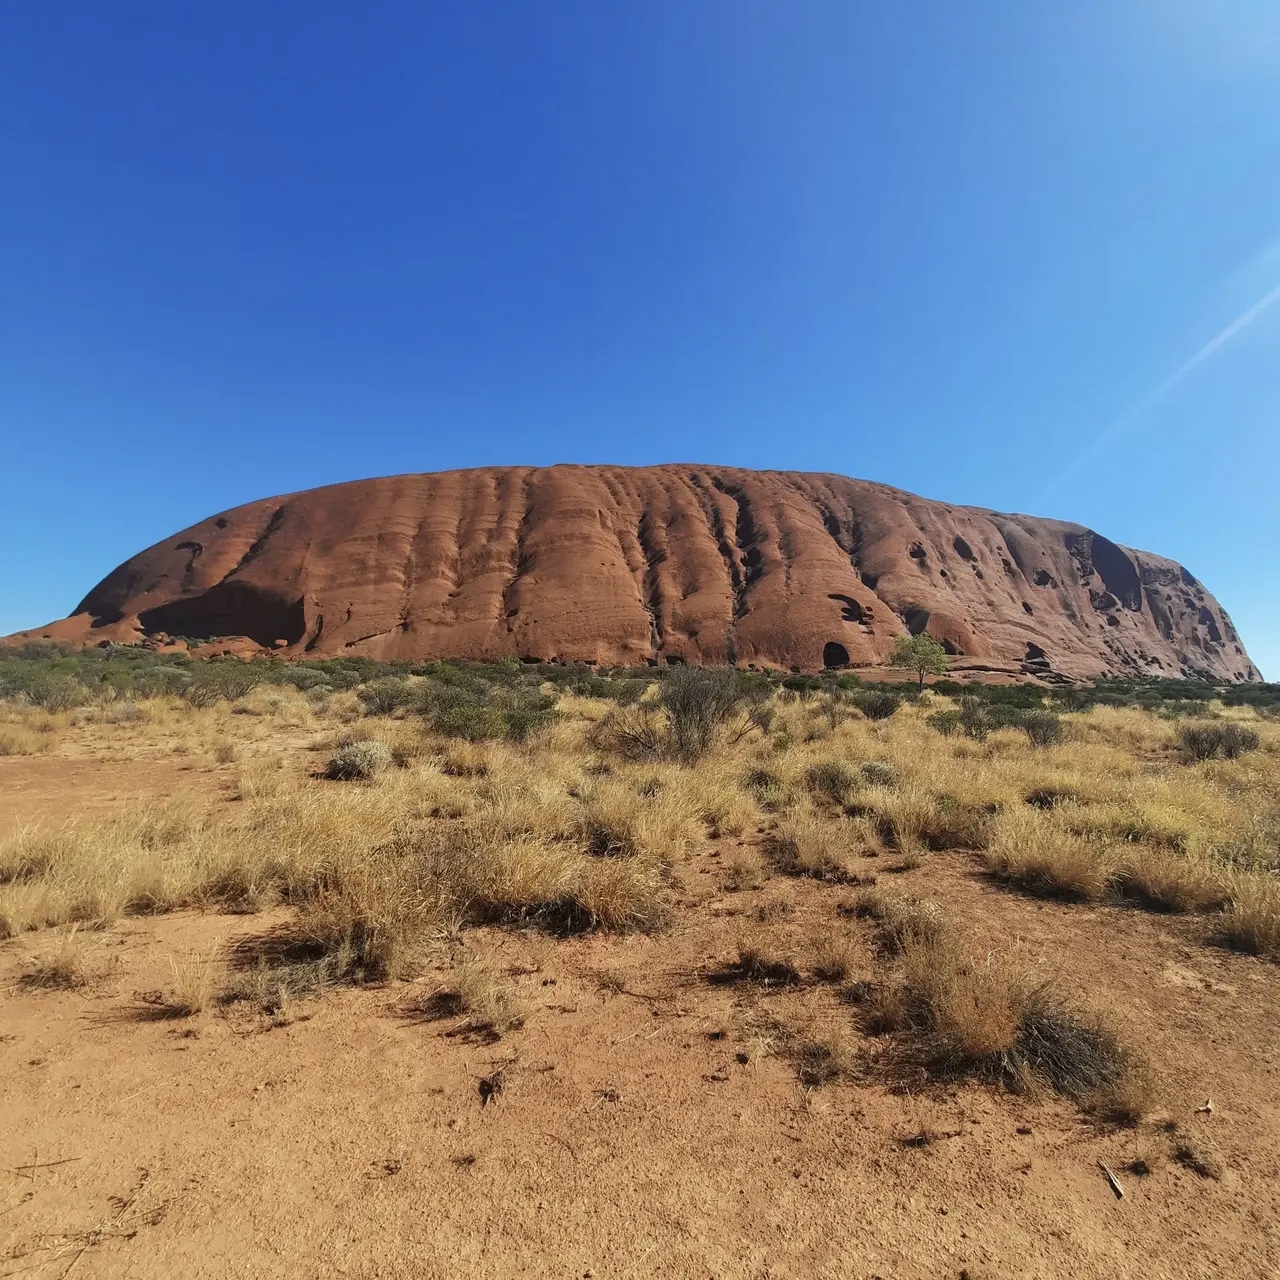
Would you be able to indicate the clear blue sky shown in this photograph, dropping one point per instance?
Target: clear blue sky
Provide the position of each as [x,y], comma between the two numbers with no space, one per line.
[1011,254]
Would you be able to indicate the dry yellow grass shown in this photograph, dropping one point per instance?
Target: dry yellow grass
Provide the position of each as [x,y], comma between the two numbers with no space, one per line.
[1045,858]
[196,980]
[18,740]
[1251,921]
[493,1004]
[559,832]
[835,956]
[994,1016]
[63,966]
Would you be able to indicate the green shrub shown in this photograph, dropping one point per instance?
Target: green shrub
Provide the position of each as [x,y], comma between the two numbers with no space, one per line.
[831,779]
[477,712]
[382,697]
[1043,728]
[158,681]
[876,704]
[56,692]
[947,723]
[228,679]
[975,718]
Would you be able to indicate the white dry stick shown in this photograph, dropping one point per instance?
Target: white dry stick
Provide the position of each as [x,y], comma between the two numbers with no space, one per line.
[1111,1178]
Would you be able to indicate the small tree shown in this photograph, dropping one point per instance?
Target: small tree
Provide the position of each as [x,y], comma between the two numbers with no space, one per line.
[921,654]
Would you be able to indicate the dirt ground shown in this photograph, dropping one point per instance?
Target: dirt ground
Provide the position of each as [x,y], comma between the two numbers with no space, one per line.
[632,1127]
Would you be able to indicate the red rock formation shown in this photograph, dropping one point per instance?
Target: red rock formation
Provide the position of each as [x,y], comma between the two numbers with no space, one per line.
[627,565]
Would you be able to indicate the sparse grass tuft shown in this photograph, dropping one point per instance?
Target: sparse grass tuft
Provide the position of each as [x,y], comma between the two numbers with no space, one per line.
[807,845]
[1165,881]
[493,1004]
[901,919]
[757,962]
[195,983]
[1197,1155]
[824,1058]
[993,1018]
[64,967]
[835,957]
[16,740]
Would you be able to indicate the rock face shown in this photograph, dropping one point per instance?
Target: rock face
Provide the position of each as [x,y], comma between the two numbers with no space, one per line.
[625,565]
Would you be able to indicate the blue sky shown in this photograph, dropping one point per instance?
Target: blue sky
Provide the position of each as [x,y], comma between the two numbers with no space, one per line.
[1016,255]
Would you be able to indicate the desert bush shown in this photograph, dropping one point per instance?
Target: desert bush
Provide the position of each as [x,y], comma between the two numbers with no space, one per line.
[382,697]
[698,700]
[52,691]
[876,704]
[472,721]
[1209,741]
[830,780]
[527,716]
[975,717]
[947,723]
[879,773]
[358,761]
[156,682]
[1044,728]
[632,732]
[477,713]
[215,681]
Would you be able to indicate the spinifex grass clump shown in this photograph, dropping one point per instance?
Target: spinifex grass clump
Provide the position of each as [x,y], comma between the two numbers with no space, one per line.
[956,1014]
